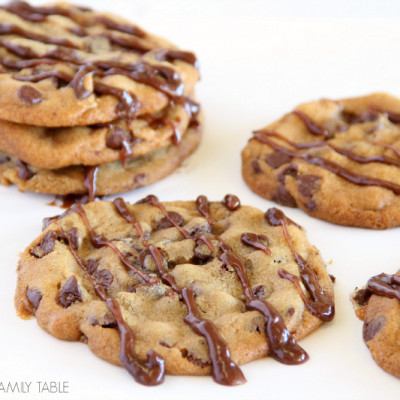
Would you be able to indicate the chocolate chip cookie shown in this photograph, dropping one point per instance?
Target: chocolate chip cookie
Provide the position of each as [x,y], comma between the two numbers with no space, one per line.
[103,179]
[186,287]
[378,306]
[336,160]
[63,65]
[91,103]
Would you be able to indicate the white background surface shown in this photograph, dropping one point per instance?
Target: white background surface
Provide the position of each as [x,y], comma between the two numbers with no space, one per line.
[258,60]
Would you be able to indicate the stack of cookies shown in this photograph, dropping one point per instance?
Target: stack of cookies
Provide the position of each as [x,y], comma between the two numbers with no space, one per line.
[90,103]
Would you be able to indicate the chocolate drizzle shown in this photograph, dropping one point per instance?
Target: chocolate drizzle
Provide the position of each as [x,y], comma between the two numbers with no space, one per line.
[90,181]
[256,241]
[282,346]
[343,172]
[148,373]
[385,285]
[224,370]
[321,304]
[310,124]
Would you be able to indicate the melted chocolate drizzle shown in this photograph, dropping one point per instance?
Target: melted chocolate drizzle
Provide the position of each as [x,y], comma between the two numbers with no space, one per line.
[343,172]
[385,285]
[254,240]
[148,373]
[224,370]
[321,304]
[89,182]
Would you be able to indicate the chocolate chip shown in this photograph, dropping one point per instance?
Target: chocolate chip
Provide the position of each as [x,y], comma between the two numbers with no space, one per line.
[162,343]
[290,170]
[106,321]
[197,361]
[34,297]
[48,221]
[259,291]
[140,180]
[29,94]
[366,116]
[4,159]
[282,196]
[362,297]
[73,234]
[371,328]
[202,254]
[311,205]
[70,292]
[24,172]
[92,265]
[116,137]
[104,277]
[46,245]
[308,184]
[256,166]
[290,311]
[333,278]
[276,159]
[165,222]
[231,202]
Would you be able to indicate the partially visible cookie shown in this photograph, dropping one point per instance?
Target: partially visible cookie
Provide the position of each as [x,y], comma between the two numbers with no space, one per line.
[378,305]
[186,287]
[336,160]
[106,178]
[61,65]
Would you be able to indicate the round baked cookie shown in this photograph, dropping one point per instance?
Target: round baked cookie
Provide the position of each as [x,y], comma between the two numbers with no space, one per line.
[62,65]
[110,178]
[198,287]
[336,160]
[378,305]
[54,148]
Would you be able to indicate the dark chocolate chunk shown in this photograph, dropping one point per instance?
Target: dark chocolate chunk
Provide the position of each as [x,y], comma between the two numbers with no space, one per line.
[311,205]
[308,184]
[256,166]
[282,196]
[106,321]
[166,223]
[73,234]
[276,159]
[4,159]
[366,116]
[362,296]
[46,245]
[116,137]
[92,265]
[290,170]
[104,277]
[24,172]
[70,292]
[34,297]
[333,278]
[48,221]
[371,328]
[29,94]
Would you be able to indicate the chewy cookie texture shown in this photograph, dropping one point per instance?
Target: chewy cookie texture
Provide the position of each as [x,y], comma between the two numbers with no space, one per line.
[185,287]
[336,160]
[378,306]
[90,102]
